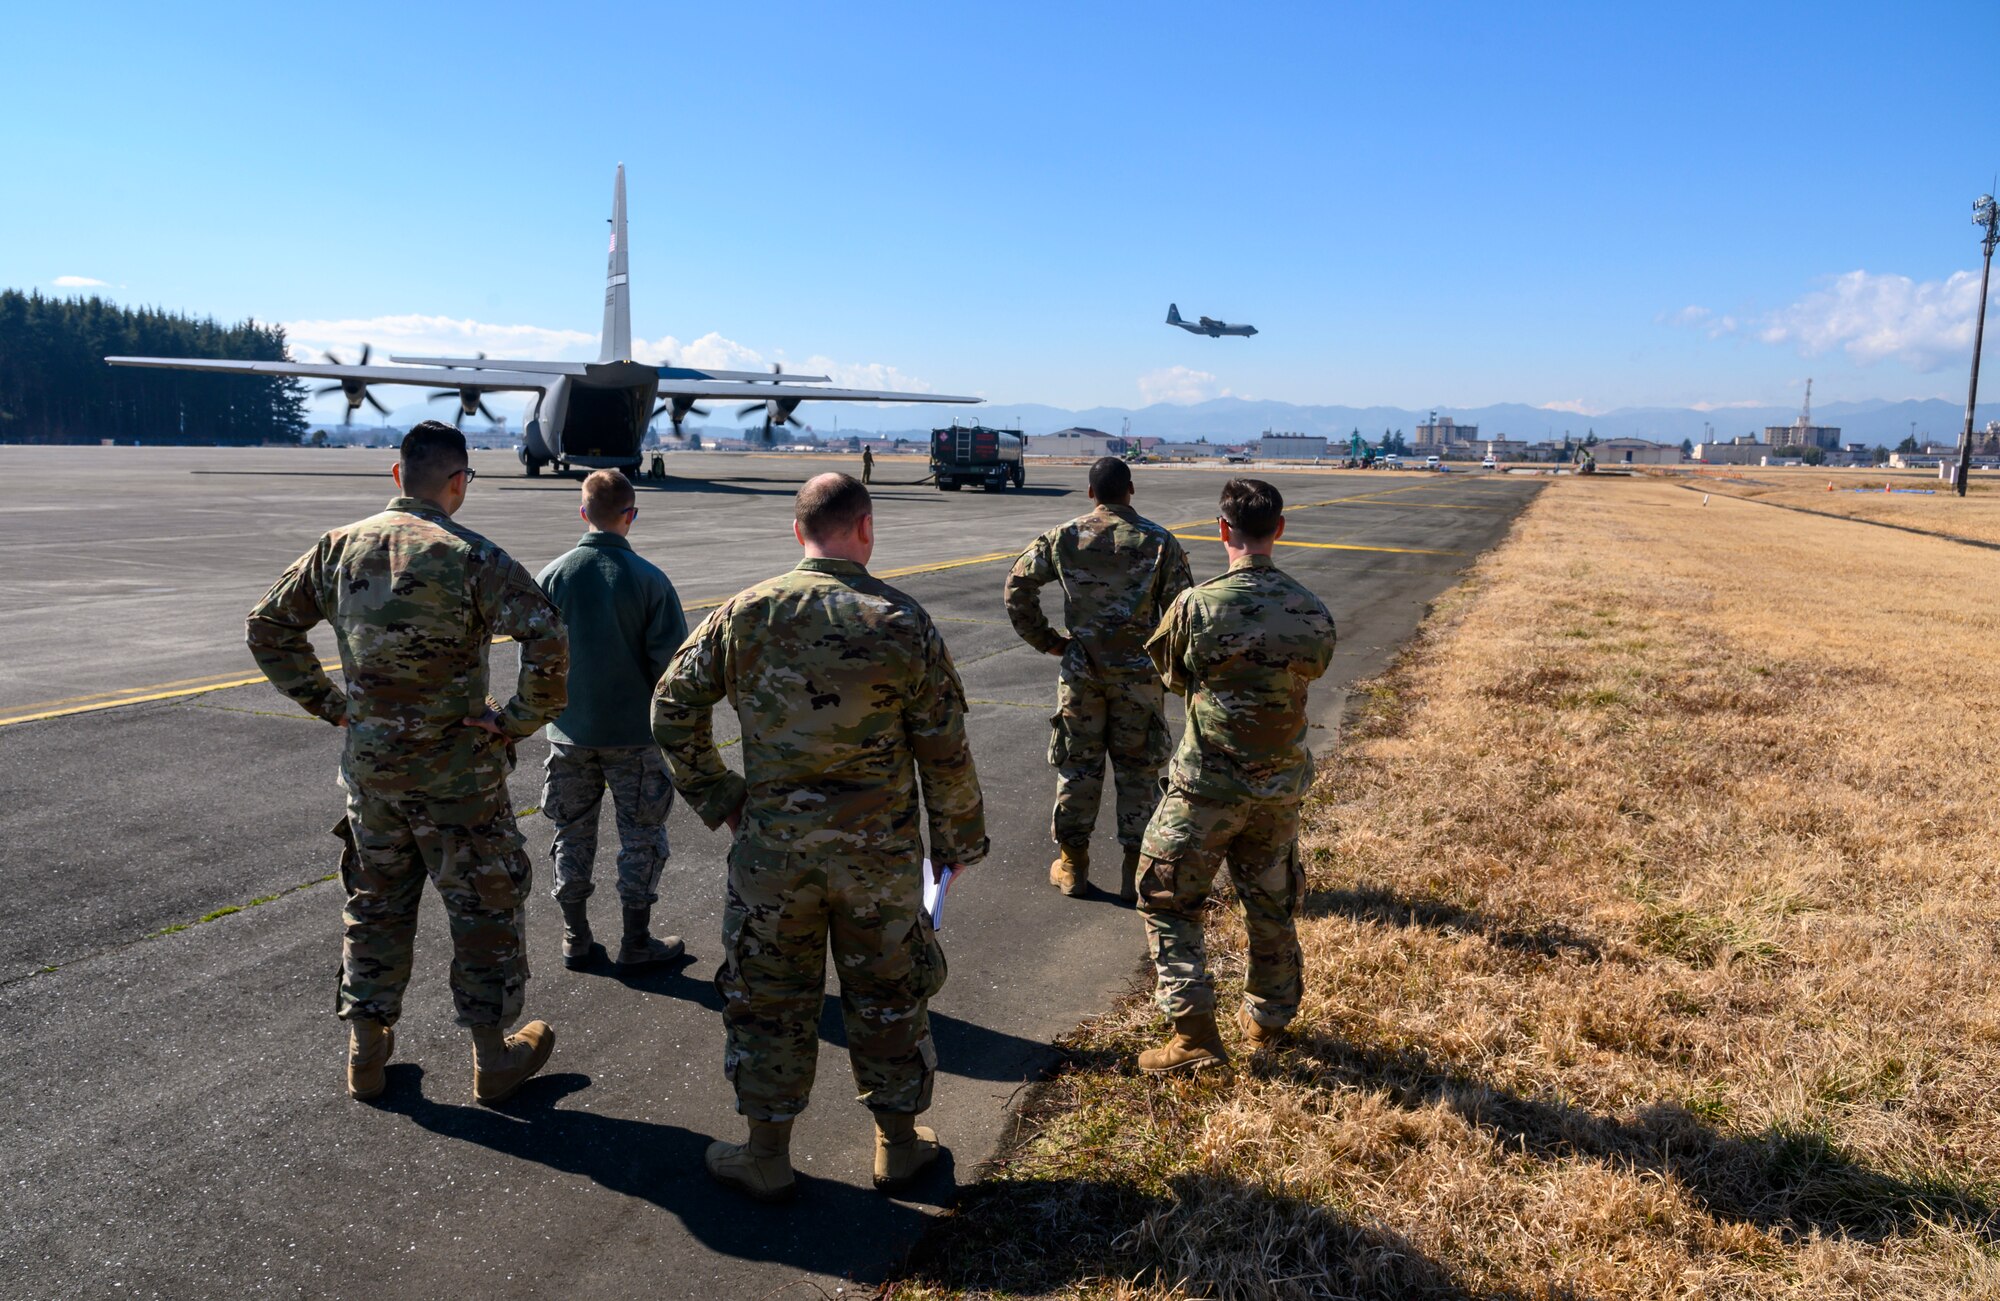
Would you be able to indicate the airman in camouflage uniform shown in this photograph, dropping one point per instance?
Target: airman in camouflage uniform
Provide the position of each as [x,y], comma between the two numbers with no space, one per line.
[1118,572]
[1243,648]
[847,702]
[415,599]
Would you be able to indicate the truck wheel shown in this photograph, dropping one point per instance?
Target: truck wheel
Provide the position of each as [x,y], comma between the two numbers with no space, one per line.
[1020,478]
[947,485]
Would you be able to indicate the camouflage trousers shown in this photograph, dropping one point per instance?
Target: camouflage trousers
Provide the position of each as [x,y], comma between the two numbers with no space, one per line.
[472,851]
[782,911]
[573,784]
[1187,840]
[1124,720]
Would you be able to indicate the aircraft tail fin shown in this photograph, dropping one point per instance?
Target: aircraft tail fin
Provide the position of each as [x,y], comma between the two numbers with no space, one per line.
[1173,314]
[616,344]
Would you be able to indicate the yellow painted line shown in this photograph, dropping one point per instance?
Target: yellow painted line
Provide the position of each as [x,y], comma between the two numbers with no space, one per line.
[142,696]
[196,686]
[1332,546]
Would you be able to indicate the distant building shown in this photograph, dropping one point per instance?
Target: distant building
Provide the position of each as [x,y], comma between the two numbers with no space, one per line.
[1199,449]
[1745,449]
[1441,436]
[1800,435]
[1076,441]
[1291,447]
[1636,451]
[1504,449]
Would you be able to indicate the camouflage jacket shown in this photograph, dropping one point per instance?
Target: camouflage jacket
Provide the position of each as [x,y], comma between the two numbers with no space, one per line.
[1119,572]
[846,697]
[414,600]
[1243,647]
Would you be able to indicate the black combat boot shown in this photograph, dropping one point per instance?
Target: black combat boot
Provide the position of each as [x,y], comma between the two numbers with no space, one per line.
[580,948]
[639,948]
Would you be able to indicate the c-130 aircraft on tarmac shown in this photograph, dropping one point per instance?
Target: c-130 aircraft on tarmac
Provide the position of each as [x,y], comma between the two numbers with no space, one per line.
[580,414]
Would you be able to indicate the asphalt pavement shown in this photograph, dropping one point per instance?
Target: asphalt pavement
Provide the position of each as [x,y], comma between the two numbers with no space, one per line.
[174,1122]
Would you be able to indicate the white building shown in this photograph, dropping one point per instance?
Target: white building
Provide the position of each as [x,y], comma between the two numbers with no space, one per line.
[1291,447]
[1745,450]
[1076,441]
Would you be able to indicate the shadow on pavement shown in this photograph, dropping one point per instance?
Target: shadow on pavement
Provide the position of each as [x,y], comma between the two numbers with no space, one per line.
[966,1050]
[831,1228]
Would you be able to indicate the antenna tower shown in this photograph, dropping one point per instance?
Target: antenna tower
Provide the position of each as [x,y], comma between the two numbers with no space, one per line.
[1805,412]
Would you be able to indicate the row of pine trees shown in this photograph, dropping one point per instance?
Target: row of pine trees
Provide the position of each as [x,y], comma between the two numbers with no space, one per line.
[55,387]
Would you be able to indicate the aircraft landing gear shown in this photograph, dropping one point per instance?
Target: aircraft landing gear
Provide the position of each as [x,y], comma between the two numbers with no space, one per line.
[534,468]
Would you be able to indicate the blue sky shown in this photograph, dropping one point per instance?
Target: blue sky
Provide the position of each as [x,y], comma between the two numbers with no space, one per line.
[1594,206]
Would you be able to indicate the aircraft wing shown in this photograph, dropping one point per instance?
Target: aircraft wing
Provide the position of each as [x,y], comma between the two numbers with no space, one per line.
[585,367]
[789,393]
[419,376]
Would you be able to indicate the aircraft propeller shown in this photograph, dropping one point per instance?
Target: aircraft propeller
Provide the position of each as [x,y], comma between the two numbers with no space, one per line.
[471,402]
[354,390]
[777,411]
[678,409]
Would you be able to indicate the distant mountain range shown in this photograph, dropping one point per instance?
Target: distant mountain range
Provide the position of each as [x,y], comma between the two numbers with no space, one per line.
[1235,419]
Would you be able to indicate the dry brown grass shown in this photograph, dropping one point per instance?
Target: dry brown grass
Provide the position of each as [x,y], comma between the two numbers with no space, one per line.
[1651,953]
[1859,494]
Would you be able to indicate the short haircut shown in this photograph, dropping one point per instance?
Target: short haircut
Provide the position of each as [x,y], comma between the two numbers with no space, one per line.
[432,453]
[607,495]
[1253,508]
[1110,479]
[831,505]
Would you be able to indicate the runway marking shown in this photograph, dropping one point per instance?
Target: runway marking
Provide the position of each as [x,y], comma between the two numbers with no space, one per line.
[1332,546]
[92,703]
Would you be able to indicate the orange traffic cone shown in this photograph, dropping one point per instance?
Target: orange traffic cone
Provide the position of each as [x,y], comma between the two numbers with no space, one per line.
[1829,485]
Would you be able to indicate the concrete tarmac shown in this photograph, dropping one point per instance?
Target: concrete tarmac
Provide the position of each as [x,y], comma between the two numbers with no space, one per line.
[174,1122]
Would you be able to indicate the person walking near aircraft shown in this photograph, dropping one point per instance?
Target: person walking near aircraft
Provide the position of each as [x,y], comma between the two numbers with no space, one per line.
[625,623]
[1243,648]
[867,465]
[847,700]
[414,600]
[1118,572]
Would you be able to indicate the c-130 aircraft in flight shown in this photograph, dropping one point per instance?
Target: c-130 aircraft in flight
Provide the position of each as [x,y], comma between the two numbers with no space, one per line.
[1207,325]
[580,414]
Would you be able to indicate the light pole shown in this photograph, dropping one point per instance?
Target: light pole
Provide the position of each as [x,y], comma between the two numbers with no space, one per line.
[1986,214]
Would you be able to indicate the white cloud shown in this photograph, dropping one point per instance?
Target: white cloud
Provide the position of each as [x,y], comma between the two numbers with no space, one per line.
[1693,317]
[423,336]
[79,282]
[1180,385]
[1925,325]
[1730,406]
[1575,407]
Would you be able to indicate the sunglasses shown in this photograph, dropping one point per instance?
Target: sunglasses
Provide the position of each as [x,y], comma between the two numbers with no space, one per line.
[469,473]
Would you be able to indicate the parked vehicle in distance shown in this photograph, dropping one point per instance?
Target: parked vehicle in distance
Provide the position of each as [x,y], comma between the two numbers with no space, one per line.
[1433,462]
[1236,458]
[1489,464]
[1392,462]
[966,454]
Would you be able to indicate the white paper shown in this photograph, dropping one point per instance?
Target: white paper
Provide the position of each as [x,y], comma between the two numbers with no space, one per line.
[936,882]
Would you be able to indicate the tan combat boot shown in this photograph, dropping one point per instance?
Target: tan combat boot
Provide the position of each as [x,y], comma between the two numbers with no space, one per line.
[1128,876]
[1195,1043]
[1070,873]
[502,1063]
[369,1044]
[1261,1036]
[903,1149]
[760,1168]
